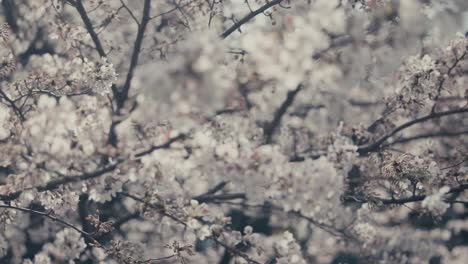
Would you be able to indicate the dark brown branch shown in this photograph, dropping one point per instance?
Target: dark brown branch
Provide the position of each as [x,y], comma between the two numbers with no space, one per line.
[123,94]
[232,250]
[274,124]
[10,12]
[71,179]
[235,251]
[303,110]
[377,144]
[165,145]
[129,12]
[89,27]
[105,237]
[153,260]
[83,212]
[400,201]
[428,135]
[36,49]
[219,197]
[86,176]
[13,105]
[217,188]
[327,228]
[121,221]
[50,216]
[456,202]
[159,208]
[54,184]
[358,103]
[201,198]
[248,17]
[172,9]
[442,81]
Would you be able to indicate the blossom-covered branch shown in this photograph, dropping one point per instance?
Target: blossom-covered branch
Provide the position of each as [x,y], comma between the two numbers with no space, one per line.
[400,201]
[376,145]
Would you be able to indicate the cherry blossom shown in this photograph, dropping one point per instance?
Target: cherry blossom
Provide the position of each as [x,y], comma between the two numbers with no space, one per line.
[233,131]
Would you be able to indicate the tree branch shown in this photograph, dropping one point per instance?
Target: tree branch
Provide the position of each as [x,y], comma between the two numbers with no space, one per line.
[400,201]
[50,216]
[89,27]
[13,105]
[216,188]
[89,175]
[219,197]
[427,135]
[165,145]
[377,144]
[123,94]
[162,210]
[442,81]
[235,251]
[159,208]
[248,17]
[270,129]
[54,184]
[130,12]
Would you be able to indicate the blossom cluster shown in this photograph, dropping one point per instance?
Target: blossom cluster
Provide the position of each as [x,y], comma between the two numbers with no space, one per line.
[232,131]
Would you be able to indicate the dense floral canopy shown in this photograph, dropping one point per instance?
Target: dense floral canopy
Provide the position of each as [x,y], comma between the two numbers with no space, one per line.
[233,131]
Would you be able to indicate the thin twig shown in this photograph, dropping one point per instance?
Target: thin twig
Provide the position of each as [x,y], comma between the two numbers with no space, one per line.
[13,106]
[172,10]
[50,216]
[130,12]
